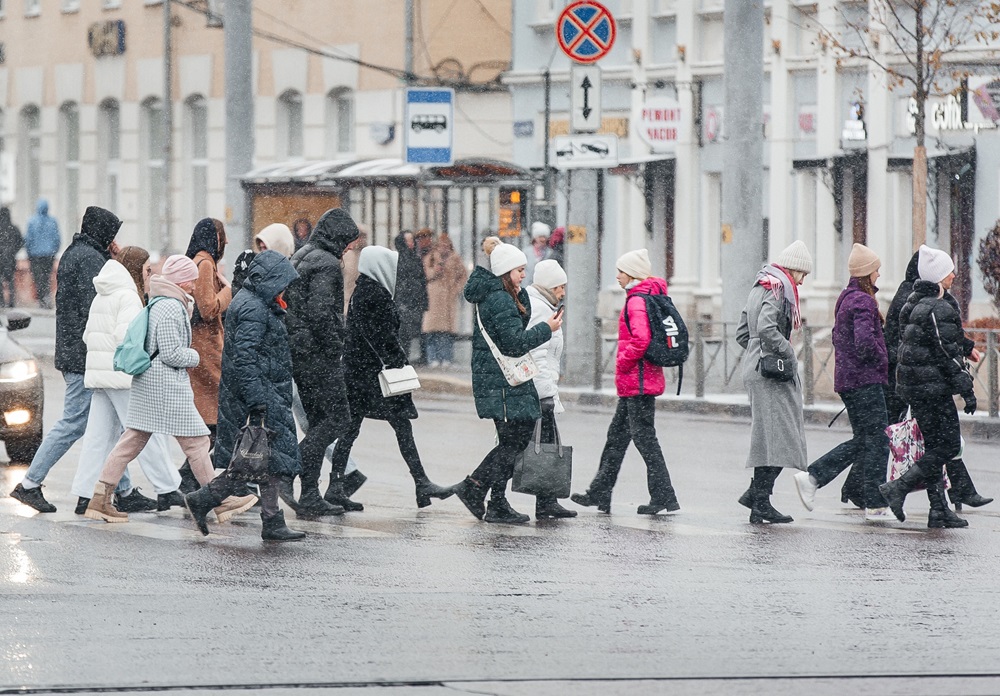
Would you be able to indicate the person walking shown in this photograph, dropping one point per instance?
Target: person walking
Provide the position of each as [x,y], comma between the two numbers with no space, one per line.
[121,295]
[161,400]
[349,262]
[301,229]
[546,294]
[412,296]
[276,237]
[316,332]
[638,383]
[372,345]
[860,377]
[777,431]
[931,371]
[11,242]
[42,244]
[256,387]
[539,250]
[80,264]
[557,244]
[212,295]
[446,275]
[503,311]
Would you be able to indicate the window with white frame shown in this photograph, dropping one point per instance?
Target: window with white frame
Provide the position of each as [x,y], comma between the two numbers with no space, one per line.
[288,124]
[32,8]
[339,122]
[152,173]
[109,153]
[70,5]
[196,154]
[28,159]
[69,158]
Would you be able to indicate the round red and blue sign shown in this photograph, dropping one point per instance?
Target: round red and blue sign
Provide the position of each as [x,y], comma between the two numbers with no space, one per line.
[586,31]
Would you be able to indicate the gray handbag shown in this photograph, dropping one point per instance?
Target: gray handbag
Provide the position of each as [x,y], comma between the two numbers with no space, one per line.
[544,469]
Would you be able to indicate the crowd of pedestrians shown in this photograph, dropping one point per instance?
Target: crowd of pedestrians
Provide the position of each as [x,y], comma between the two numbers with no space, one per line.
[314,318]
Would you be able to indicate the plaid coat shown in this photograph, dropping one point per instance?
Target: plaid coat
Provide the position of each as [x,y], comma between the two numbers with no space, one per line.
[161,399]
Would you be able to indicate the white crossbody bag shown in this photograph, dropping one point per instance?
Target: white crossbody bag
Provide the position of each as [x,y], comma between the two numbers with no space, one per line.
[394,381]
[515,370]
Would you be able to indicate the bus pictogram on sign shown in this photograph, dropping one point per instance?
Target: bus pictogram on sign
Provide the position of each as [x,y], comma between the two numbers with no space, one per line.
[586,31]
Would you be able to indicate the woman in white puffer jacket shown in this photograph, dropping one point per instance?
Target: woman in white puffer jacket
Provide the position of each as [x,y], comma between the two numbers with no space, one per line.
[120,298]
[546,292]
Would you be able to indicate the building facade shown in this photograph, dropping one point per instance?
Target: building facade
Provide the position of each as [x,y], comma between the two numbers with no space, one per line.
[83,121]
[837,155]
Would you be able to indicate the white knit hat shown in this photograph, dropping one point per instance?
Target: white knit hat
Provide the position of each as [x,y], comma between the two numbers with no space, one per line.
[795,257]
[549,274]
[539,229]
[636,264]
[505,258]
[934,265]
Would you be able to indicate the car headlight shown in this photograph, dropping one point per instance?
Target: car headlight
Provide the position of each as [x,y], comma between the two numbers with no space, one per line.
[18,371]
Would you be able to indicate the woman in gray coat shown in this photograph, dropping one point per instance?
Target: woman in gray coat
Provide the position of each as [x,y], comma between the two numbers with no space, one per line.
[777,434]
[161,400]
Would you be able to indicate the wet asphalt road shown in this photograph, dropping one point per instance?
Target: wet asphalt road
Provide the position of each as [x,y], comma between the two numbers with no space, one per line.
[434,602]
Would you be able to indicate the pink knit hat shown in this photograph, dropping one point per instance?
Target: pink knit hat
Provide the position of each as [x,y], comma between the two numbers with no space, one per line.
[179,269]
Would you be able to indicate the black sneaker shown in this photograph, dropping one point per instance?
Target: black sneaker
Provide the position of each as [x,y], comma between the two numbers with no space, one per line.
[165,501]
[81,506]
[32,497]
[134,502]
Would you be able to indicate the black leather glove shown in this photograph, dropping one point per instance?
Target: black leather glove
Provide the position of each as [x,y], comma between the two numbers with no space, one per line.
[970,403]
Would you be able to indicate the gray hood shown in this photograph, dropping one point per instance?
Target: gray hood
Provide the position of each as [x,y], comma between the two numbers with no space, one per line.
[379,264]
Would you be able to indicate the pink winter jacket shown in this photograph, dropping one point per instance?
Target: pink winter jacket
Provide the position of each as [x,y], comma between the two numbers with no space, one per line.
[633,375]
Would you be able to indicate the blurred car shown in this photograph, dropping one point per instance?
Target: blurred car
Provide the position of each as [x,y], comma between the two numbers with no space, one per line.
[22,392]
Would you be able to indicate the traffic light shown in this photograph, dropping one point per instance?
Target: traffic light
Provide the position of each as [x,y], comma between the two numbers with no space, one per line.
[513,211]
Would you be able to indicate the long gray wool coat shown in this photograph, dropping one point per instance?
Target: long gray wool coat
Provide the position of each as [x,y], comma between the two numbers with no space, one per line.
[777,433]
[162,400]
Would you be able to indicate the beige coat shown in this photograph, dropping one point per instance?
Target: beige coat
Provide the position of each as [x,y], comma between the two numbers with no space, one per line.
[211,298]
[446,276]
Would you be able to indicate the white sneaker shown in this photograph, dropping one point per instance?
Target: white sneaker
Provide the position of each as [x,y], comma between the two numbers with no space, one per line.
[882,514]
[807,487]
[435,363]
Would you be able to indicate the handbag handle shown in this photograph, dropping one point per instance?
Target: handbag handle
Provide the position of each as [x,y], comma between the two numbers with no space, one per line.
[538,437]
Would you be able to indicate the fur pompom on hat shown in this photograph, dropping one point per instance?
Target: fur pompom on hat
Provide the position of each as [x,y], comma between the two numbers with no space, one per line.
[505,258]
[635,264]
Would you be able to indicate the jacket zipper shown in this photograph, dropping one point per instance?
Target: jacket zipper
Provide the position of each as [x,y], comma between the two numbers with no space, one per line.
[642,389]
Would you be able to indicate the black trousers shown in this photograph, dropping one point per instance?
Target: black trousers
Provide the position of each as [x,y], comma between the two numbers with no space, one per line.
[634,422]
[329,418]
[222,487]
[938,421]
[868,450]
[497,467]
[41,274]
[404,439]
[7,284]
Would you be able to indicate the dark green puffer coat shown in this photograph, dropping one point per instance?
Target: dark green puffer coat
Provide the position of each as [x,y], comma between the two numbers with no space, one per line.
[495,398]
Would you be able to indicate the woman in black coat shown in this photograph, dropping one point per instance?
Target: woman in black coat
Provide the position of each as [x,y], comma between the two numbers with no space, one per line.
[372,344]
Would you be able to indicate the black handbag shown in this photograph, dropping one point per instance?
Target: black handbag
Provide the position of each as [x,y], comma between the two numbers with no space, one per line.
[544,469]
[776,367]
[251,455]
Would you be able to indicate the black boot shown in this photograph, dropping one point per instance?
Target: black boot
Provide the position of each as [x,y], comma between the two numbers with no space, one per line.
[81,506]
[312,505]
[189,484]
[275,529]
[134,502]
[500,511]
[963,490]
[548,508]
[353,481]
[746,500]
[427,490]
[165,501]
[941,516]
[473,496]
[589,499]
[665,500]
[895,492]
[763,485]
[200,503]
[336,496]
[286,492]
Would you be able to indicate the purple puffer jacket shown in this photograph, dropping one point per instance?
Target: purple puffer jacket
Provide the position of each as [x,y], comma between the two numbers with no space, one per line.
[861,357]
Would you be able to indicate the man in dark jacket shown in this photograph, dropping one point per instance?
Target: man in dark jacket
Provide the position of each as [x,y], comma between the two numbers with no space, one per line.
[78,267]
[411,291]
[316,332]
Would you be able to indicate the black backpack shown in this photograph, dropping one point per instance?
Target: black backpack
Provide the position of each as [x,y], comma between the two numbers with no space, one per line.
[668,345]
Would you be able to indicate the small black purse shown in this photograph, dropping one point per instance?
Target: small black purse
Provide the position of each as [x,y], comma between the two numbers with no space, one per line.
[776,367]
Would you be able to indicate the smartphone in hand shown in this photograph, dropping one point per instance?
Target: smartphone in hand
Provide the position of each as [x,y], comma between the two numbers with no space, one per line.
[560,307]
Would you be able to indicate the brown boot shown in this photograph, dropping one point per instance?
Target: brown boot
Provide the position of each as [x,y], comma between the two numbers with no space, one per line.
[101,506]
[234,505]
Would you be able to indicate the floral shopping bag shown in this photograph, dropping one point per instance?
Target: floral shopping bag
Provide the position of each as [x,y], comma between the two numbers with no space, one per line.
[906,446]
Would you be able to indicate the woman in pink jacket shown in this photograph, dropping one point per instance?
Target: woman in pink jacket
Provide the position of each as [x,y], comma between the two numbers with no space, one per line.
[639,382]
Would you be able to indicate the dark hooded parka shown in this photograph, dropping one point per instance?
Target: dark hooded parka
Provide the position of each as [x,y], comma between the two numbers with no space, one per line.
[257,365]
[79,265]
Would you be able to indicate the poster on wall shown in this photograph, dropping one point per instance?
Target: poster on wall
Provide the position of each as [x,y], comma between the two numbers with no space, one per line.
[984,100]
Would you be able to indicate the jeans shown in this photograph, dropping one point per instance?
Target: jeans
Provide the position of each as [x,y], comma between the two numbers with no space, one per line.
[65,433]
[633,422]
[868,450]
[41,274]
[108,408]
[498,466]
[440,347]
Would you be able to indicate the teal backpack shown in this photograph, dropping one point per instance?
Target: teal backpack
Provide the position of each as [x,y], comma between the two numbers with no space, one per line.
[131,356]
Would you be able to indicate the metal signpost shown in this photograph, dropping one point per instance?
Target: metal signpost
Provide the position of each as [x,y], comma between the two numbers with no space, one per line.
[429,125]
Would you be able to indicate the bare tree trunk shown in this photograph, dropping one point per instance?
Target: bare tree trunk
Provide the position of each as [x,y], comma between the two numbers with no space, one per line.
[920,152]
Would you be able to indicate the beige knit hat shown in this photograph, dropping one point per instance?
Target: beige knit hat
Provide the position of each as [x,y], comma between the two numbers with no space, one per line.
[863,261]
[636,264]
[795,257]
